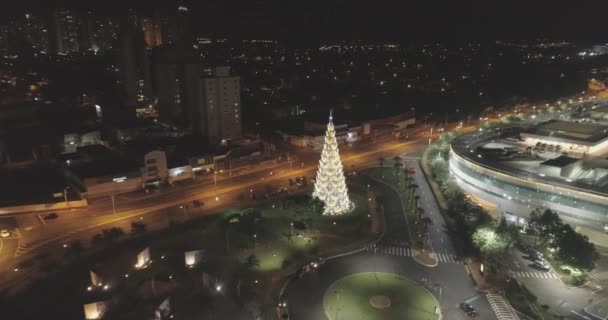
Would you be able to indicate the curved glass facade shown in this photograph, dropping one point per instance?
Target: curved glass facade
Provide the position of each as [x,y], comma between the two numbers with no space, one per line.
[586,212]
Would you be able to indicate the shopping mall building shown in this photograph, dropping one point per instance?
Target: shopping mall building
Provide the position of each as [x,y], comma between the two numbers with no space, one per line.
[519,170]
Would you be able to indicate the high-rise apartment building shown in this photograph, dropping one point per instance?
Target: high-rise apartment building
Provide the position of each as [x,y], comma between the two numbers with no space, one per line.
[97,32]
[134,63]
[177,73]
[221,103]
[152,31]
[36,33]
[64,32]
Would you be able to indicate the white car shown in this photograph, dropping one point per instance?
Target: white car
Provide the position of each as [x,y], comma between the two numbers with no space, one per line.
[4,234]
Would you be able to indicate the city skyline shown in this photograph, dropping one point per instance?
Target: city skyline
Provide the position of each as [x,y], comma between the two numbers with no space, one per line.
[175,160]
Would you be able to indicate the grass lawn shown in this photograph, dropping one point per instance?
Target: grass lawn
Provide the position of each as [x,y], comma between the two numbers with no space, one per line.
[278,247]
[349,298]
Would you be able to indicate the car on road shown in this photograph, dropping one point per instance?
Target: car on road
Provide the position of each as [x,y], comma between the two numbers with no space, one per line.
[50,216]
[468,309]
[535,254]
[4,234]
[541,264]
[412,170]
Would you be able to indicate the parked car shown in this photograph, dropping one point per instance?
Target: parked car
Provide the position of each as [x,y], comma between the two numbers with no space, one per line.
[4,234]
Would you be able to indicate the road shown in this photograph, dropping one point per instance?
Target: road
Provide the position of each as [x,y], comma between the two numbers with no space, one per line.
[32,234]
[449,281]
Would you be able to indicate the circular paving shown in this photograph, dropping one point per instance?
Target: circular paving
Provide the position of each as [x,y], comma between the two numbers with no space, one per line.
[376,295]
[380,301]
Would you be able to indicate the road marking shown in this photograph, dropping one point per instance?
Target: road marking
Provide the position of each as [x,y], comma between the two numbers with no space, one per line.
[472,299]
[502,308]
[40,218]
[580,315]
[599,276]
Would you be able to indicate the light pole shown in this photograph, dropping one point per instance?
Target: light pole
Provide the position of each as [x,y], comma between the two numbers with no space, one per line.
[254,240]
[431,136]
[113,203]
[65,194]
[338,303]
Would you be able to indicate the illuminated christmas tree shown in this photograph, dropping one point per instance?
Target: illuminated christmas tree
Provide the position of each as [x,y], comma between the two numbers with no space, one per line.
[330,185]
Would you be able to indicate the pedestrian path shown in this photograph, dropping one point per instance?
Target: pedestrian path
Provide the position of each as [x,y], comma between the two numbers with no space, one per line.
[448,258]
[502,308]
[404,251]
[400,251]
[599,276]
[535,274]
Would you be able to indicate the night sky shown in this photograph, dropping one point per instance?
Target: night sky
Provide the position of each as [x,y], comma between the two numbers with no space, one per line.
[371,20]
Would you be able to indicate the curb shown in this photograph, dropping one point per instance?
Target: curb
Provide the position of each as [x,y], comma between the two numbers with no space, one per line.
[408,224]
[591,313]
[290,276]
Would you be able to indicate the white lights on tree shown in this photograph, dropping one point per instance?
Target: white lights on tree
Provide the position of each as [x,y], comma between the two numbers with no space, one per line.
[330,185]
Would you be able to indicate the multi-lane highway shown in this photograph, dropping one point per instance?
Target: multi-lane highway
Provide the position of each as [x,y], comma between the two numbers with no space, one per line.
[30,233]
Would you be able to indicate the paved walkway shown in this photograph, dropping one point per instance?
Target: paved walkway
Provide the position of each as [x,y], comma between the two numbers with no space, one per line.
[535,274]
[404,251]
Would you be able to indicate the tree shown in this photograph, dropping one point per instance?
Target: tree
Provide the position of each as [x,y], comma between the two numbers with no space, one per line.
[381,159]
[224,225]
[138,227]
[420,212]
[317,206]
[407,178]
[413,188]
[74,249]
[252,261]
[575,249]
[547,224]
[398,164]
[489,242]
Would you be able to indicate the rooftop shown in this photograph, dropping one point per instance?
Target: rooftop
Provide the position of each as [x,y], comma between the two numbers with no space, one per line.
[584,132]
[560,161]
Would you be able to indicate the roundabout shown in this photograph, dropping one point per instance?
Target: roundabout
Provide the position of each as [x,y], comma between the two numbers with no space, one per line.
[379,295]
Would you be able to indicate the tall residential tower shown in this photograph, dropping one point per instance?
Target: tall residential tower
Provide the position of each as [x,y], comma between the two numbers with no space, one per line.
[221,103]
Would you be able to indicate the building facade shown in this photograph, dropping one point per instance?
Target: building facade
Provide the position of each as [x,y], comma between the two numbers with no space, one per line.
[221,103]
[516,193]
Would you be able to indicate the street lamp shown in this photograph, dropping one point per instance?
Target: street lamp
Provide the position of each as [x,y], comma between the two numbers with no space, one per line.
[338,303]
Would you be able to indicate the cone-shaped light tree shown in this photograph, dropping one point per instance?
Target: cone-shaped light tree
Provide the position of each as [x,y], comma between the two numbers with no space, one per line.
[330,185]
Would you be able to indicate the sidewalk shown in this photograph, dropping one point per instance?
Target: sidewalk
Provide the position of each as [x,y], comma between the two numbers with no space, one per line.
[473,267]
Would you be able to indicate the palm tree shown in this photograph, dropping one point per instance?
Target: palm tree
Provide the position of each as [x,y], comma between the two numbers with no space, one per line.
[407,178]
[416,198]
[398,164]
[412,188]
[381,159]
[420,212]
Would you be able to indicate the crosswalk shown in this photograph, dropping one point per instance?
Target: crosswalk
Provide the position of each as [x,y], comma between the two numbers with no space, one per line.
[502,308]
[403,251]
[599,276]
[392,250]
[535,274]
[449,258]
